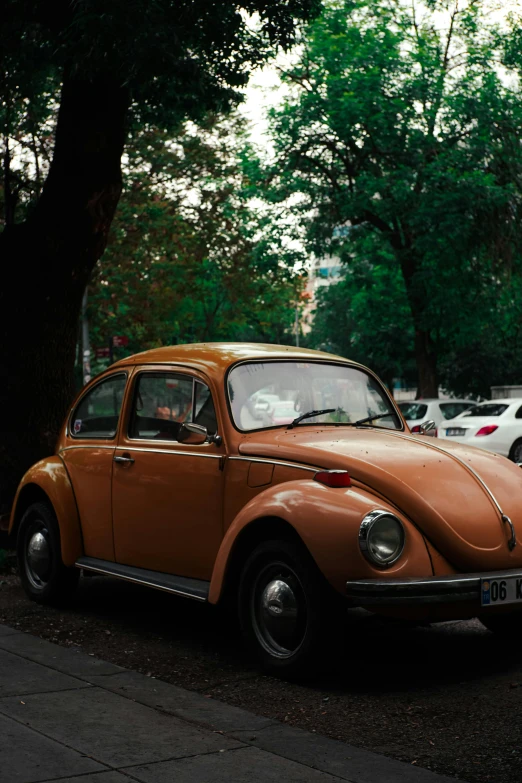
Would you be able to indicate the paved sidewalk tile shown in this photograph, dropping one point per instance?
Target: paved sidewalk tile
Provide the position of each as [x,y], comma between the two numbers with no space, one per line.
[68,660]
[6,630]
[337,758]
[19,676]
[182,703]
[27,757]
[100,777]
[247,765]
[112,729]
[95,715]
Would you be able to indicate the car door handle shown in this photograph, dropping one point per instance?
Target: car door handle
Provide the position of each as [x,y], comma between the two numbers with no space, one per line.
[123,460]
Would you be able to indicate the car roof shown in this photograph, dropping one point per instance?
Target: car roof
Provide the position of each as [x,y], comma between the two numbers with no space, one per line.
[215,358]
[502,401]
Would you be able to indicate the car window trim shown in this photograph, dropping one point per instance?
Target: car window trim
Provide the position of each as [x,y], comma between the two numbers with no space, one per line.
[353,365]
[69,431]
[147,371]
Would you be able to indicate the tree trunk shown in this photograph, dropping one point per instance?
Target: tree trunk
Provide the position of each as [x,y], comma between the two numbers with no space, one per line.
[46,262]
[425,352]
[426,359]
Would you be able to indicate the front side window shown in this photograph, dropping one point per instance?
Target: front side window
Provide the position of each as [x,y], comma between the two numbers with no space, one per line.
[97,413]
[164,401]
[271,394]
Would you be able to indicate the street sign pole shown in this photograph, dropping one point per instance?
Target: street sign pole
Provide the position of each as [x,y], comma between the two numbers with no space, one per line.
[86,349]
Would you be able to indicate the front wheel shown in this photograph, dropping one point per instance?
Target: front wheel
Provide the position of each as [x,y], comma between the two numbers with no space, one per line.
[287,611]
[44,577]
[515,453]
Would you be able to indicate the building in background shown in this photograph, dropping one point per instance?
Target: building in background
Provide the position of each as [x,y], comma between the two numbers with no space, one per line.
[323,272]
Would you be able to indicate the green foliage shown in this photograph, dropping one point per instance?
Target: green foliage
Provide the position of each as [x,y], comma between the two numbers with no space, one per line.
[189,259]
[402,124]
[175,59]
[365,316]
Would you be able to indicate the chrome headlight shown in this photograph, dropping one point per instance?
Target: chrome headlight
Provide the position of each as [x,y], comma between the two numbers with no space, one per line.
[381,538]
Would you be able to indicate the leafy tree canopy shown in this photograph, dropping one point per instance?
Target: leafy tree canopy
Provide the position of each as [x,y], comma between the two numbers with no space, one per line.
[102,69]
[402,123]
[365,316]
[189,259]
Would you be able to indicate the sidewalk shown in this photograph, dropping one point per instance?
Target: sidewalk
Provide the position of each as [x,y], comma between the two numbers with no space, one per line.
[65,716]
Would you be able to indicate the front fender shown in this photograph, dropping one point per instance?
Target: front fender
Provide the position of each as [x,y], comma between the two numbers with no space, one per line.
[50,476]
[327,520]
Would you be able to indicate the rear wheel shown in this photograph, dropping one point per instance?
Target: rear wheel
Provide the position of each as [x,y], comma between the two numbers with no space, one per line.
[44,577]
[515,453]
[288,613]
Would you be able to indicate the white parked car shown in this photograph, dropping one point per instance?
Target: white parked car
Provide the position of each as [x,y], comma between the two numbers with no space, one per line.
[416,412]
[495,425]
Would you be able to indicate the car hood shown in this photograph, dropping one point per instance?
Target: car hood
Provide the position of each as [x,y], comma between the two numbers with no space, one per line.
[444,488]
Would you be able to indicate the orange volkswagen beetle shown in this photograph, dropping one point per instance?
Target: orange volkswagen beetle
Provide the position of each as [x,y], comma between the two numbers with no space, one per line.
[170,473]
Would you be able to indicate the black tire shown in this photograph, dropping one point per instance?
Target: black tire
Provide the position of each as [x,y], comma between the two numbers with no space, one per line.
[44,577]
[515,452]
[505,626]
[288,612]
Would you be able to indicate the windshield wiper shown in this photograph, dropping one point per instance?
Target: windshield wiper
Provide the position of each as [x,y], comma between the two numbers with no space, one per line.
[309,415]
[373,418]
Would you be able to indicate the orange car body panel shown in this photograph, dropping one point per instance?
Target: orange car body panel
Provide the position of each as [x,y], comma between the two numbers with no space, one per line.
[180,508]
[410,472]
[50,475]
[327,520]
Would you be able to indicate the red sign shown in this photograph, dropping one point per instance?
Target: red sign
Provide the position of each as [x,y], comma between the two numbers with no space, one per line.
[102,353]
[120,341]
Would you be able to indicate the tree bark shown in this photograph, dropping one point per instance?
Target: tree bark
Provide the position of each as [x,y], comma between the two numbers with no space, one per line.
[45,263]
[425,351]
[426,359]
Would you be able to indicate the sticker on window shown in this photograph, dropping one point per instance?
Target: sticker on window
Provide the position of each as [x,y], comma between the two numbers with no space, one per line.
[77,426]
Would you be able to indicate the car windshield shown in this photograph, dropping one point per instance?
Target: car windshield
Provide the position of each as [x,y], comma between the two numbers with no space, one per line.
[413,410]
[490,409]
[306,386]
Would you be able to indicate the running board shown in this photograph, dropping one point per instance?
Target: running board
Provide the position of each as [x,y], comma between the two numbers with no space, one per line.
[179,585]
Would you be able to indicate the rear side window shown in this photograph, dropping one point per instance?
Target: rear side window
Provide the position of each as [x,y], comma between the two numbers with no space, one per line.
[413,410]
[98,412]
[489,409]
[451,409]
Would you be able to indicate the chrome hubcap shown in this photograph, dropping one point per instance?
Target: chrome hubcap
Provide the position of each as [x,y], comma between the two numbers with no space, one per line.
[38,555]
[278,610]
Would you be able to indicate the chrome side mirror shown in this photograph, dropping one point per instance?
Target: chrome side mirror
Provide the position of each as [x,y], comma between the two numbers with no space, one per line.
[193,434]
[427,427]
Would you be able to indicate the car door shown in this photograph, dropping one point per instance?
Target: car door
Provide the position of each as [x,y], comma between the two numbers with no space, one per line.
[88,453]
[167,496]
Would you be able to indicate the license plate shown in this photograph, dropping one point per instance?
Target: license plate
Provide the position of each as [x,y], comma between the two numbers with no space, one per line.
[455,431]
[507,590]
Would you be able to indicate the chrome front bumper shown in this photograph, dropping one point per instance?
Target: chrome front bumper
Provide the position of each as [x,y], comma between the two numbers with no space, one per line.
[414,591]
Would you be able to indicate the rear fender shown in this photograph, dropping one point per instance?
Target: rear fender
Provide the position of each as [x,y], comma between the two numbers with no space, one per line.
[327,521]
[48,479]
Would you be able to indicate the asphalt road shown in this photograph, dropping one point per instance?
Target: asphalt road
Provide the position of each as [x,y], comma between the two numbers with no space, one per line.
[446,697]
